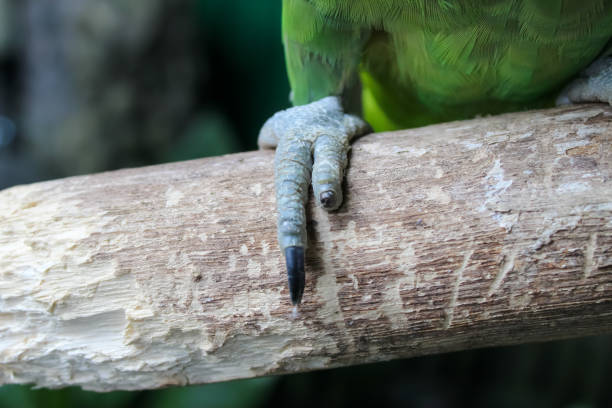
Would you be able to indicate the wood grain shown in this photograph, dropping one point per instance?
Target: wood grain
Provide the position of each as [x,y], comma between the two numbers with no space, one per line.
[467,234]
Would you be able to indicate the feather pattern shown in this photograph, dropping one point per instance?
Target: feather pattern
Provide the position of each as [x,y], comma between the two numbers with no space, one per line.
[424,61]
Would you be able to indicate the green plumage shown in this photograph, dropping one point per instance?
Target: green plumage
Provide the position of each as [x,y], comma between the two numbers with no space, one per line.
[426,61]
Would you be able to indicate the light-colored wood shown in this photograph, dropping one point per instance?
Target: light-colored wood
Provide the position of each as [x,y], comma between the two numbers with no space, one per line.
[467,234]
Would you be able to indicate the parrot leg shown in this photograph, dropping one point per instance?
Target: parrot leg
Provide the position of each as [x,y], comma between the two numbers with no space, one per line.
[593,85]
[319,130]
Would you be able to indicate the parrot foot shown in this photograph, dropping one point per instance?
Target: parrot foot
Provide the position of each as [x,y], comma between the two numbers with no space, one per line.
[320,129]
[593,85]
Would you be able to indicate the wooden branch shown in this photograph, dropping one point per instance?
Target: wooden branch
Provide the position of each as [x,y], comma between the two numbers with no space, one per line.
[466,234]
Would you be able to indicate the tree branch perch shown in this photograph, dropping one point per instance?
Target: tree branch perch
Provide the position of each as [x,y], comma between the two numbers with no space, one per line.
[467,234]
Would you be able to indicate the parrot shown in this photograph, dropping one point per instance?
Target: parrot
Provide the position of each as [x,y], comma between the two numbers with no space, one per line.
[360,65]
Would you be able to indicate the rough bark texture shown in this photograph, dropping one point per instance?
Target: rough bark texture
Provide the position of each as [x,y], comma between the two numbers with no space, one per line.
[467,234]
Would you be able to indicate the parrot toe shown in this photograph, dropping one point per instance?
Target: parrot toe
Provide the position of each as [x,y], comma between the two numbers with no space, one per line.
[321,130]
[594,84]
[328,199]
[330,158]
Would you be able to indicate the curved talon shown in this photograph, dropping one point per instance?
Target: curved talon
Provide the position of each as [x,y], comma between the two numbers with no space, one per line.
[328,199]
[294,258]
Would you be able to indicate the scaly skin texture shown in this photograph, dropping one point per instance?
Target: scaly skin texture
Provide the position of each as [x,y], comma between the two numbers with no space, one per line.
[409,63]
[329,133]
[594,85]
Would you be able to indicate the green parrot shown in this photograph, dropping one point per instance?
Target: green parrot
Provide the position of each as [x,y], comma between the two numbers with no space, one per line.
[356,65]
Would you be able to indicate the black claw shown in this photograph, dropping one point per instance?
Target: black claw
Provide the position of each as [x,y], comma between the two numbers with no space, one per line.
[328,199]
[294,257]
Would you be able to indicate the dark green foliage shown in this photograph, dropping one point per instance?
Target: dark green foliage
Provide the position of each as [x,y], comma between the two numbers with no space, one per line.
[23,397]
[571,373]
[244,393]
[247,79]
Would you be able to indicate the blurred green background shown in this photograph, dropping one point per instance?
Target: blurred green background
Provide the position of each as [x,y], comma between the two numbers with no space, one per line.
[93,85]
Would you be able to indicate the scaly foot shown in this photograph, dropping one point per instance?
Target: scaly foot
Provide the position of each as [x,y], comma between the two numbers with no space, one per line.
[320,129]
[593,85]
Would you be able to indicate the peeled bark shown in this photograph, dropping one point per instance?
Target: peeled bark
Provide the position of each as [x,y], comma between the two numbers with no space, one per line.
[468,234]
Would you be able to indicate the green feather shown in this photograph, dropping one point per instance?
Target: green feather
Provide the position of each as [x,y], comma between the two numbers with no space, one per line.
[425,61]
